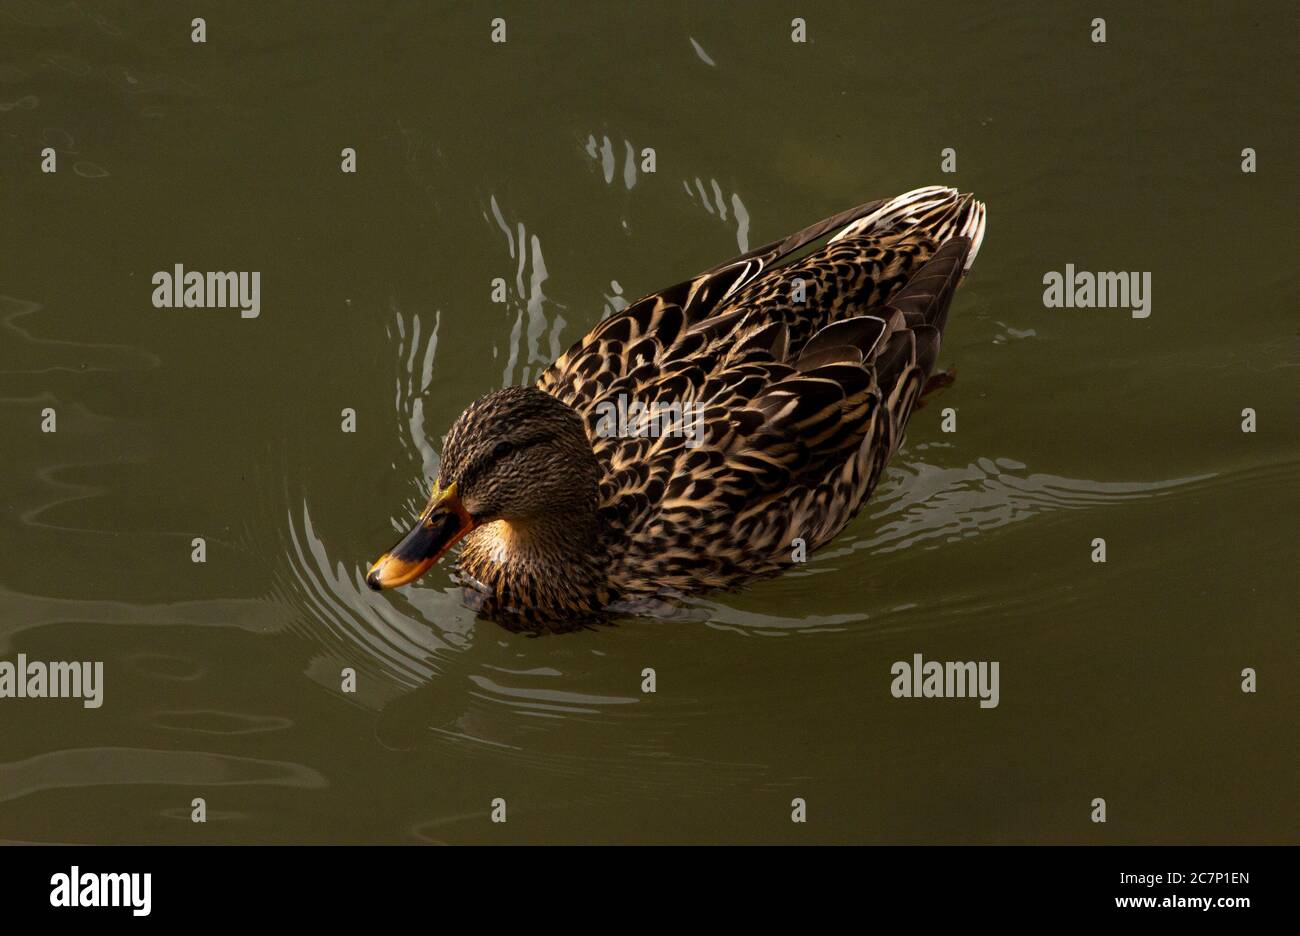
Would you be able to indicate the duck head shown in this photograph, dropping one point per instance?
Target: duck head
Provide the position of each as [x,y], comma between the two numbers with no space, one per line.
[517,455]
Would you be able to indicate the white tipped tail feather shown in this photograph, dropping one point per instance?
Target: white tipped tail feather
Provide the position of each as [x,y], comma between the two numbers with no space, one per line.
[941,211]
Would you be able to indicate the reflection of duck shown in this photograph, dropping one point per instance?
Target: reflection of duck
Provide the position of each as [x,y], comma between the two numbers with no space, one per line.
[778,385]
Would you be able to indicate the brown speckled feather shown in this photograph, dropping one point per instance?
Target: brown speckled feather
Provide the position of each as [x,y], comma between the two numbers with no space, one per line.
[806,368]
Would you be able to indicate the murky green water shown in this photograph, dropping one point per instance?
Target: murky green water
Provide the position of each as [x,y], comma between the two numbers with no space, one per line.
[522,161]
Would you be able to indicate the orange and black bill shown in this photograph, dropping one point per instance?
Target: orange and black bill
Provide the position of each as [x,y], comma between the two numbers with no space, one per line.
[442,523]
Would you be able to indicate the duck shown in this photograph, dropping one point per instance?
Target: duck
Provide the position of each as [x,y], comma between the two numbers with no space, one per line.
[701,436]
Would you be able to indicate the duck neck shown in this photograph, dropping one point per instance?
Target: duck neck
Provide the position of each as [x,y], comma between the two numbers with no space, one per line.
[549,563]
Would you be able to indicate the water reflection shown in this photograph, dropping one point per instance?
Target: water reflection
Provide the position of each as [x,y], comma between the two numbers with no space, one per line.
[526,250]
[118,766]
[921,503]
[26,352]
[412,384]
[712,201]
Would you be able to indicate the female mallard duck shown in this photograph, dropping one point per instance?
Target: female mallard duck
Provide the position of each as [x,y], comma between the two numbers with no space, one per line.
[771,392]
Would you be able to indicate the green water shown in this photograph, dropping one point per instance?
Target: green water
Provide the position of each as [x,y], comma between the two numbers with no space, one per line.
[522,160]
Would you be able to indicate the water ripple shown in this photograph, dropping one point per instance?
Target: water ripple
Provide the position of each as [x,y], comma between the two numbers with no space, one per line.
[929,503]
[119,766]
[526,250]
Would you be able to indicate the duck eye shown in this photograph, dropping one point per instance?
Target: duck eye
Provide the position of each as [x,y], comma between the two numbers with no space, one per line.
[502,449]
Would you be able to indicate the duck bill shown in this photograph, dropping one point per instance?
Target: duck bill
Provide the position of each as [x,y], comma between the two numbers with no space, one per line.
[441,525]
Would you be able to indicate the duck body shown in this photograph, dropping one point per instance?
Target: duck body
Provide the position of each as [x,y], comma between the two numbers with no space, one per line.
[787,377]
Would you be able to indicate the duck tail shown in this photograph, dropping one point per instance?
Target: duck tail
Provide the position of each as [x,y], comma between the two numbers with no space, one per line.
[940,212]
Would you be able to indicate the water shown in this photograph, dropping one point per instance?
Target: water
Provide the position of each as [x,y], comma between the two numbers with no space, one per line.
[523,161]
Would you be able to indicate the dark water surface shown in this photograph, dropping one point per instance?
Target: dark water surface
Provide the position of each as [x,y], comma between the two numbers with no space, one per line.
[522,161]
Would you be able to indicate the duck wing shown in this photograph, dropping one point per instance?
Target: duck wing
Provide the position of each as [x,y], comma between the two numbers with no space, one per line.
[671,322]
[801,403]
[790,450]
